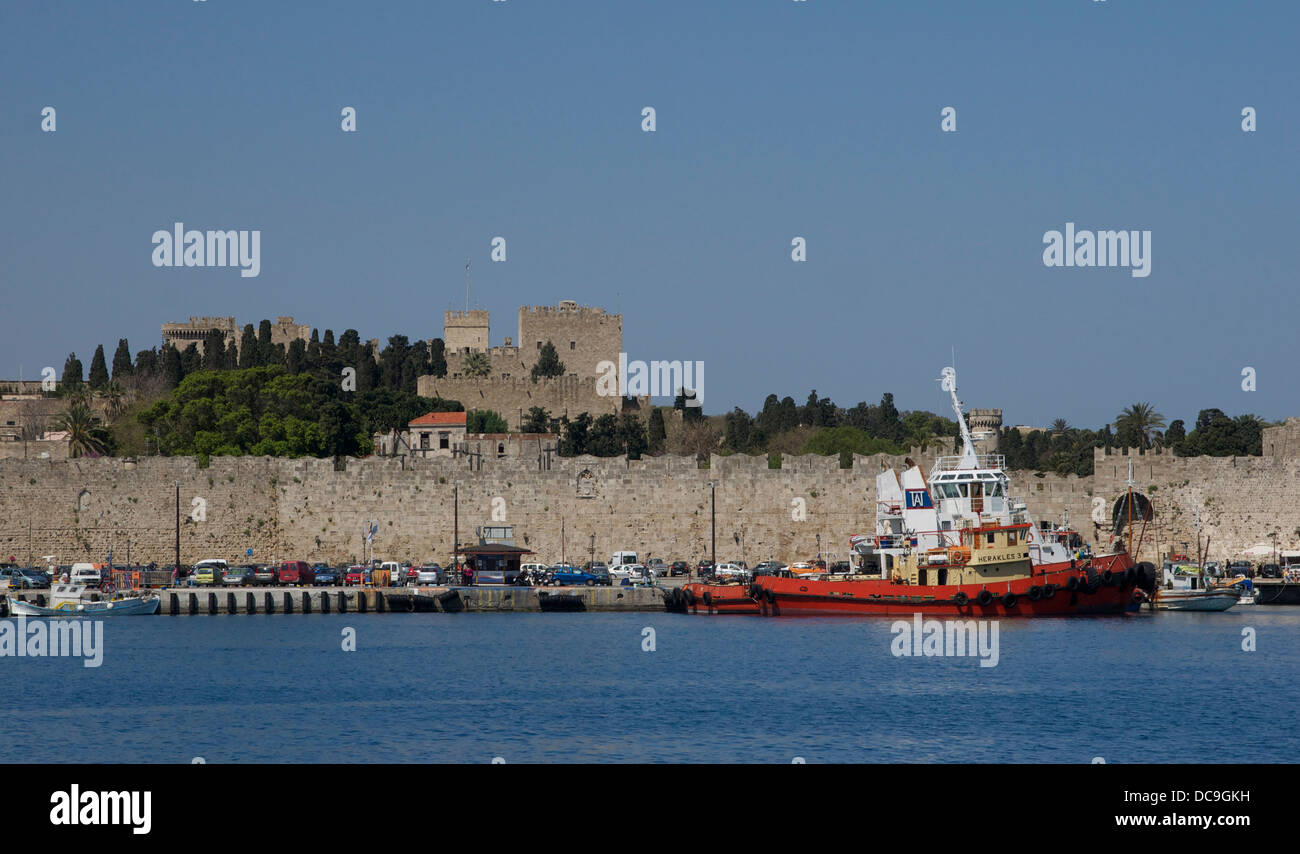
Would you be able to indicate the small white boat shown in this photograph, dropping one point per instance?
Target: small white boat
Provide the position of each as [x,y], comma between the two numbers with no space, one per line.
[1184,589]
[80,600]
[1242,584]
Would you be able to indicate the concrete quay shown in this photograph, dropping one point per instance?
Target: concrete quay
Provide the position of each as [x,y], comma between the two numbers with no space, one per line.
[189,601]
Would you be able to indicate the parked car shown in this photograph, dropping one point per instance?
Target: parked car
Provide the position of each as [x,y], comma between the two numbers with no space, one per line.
[326,576]
[265,575]
[571,576]
[657,564]
[704,568]
[87,573]
[238,576]
[23,578]
[356,575]
[601,572]
[624,571]
[730,570]
[1240,567]
[1270,570]
[209,573]
[429,574]
[296,572]
[768,567]
[679,567]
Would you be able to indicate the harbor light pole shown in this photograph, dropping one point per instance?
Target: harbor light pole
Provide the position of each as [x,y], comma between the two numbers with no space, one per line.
[713,524]
[178,526]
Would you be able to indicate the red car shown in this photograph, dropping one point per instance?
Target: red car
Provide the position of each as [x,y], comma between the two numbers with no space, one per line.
[355,576]
[296,572]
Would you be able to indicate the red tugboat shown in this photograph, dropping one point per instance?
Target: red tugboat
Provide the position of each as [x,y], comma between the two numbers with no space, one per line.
[954,544]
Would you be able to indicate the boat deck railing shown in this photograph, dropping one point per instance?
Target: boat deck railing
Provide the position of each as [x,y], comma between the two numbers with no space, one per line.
[982,461]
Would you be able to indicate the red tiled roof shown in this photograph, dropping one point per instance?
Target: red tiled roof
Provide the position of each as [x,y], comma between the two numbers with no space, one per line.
[440,419]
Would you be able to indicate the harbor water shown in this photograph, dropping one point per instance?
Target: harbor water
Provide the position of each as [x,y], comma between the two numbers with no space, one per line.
[597,687]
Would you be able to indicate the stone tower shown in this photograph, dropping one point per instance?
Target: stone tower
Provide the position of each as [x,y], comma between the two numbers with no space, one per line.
[465,331]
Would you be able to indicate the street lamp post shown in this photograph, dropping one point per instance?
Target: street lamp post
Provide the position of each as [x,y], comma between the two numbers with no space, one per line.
[713,523]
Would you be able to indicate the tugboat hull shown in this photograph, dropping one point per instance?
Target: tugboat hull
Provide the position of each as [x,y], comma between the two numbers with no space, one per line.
[1109,584]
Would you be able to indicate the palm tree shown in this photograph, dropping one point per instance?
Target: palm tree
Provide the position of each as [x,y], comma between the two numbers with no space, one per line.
[114,398]
[85,436]
[477,364]
[1060,427]
[1138,422]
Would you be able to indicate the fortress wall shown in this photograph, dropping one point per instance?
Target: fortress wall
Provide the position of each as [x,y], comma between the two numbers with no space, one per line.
[307,509]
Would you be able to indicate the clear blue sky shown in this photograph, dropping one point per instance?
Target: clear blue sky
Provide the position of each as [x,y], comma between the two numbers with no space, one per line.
[818,119]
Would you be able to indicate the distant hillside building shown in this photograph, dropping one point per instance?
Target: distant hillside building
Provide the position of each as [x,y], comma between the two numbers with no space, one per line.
[283,331]
[583,336]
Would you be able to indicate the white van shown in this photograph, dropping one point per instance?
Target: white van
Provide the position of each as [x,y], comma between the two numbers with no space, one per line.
[85,573]
[620,558]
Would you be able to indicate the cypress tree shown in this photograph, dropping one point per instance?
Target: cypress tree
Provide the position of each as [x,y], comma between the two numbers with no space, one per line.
[122,360]
[98,369]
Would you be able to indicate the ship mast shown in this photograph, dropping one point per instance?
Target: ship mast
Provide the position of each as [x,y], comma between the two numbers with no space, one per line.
[1129,502]
[948,380]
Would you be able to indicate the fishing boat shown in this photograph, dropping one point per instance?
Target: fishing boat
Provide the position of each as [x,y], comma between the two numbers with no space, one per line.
[954,543]
[1184,588]
[81,600]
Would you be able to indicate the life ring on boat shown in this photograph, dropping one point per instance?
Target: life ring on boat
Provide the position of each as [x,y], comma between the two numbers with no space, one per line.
[960,598]
[1008,600]
[1035,593]
[958,556]
[984,598]
[1049,590]
[108,588]
[1072,584]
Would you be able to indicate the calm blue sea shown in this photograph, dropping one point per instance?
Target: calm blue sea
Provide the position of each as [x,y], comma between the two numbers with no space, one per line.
[580,688]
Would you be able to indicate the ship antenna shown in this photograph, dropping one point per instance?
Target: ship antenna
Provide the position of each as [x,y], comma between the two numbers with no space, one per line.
[948,380]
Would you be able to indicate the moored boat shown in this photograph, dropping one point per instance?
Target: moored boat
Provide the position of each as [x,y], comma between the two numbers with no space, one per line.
[83,601]
[952,543]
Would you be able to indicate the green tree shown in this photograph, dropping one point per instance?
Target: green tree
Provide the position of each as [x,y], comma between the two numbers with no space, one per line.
[173,368]
[632,436]
[604,439]
[98,370]
[248,351]
[86,437]
[658,435]
[71,373]
[485,421]
[548,363]
[122,367]
[538,420]
[477,364]
[573,440]
[438,358]
[1136,424]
